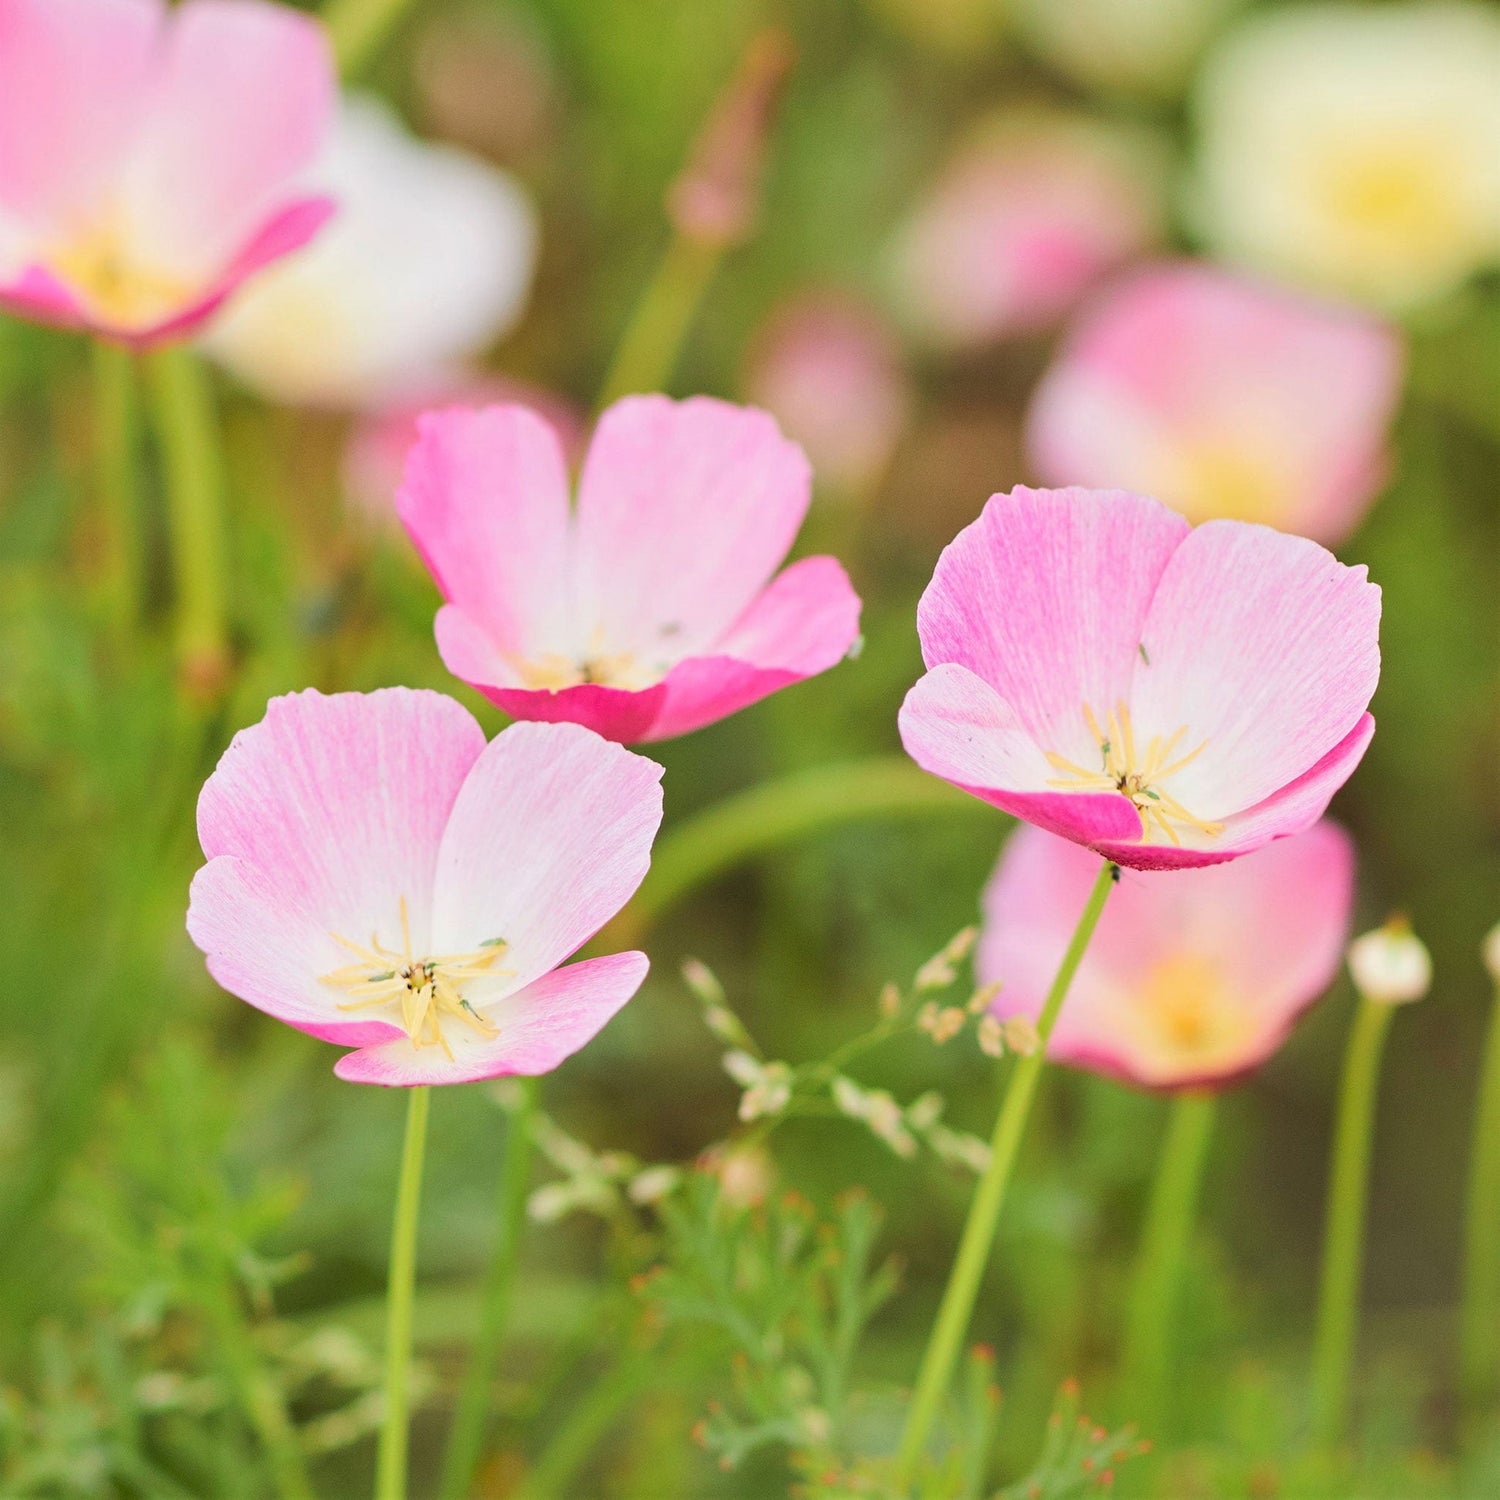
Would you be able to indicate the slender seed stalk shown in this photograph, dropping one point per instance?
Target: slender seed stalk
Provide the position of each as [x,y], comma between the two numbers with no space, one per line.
[952,1321]
[653,339]
[390,1471]
[187,425]
[1146,1364]
[1343,1250]
[1480,1308]
[116,436]
[466,1440]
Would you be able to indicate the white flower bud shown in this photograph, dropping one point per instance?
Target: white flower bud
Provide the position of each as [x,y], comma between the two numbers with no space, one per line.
[1390,965]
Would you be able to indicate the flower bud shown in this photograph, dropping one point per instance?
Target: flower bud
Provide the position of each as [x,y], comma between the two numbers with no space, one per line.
[1390,965]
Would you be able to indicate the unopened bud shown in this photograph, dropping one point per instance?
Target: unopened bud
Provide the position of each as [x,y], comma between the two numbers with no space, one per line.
[984,997]
[991,1037]
[1390,965]
[1490,952]
[1021,1035]
[654,1184]
[889,1003]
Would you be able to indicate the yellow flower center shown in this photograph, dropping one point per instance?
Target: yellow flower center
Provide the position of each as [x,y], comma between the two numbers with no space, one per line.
[1188,1017]
[99,267]
[618,669]
[1229,480]
[427,990]
[1138,777]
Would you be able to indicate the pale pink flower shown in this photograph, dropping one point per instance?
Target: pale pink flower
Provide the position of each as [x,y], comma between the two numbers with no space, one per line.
[1224,398]
[1187,982]
[381,441]
[651,609]
[1166,696]
[381,878]
[1026,217]
[830,372]
[149,156]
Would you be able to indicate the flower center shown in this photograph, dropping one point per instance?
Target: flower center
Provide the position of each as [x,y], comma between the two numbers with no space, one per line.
[1188,1014]
[1138,777]
[99,267]
[427,990]
[619,669]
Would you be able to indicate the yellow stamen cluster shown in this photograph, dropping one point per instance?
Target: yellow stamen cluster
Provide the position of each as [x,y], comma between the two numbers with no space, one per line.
[427,989]
[1137,777]
[99,268]
[618,670]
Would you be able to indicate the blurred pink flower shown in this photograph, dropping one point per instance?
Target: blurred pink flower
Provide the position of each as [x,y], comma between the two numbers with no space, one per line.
[651,610]
[1024,219]
[830,372]
[1166,696]
[380,443]
[149,156]
[1187,982]
[1225,398]
[382,879]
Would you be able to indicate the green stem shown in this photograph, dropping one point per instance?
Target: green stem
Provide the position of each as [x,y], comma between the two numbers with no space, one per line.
[466,1440]
[1170,1219]
[551,1477]
[390,1472]
[116,434]
[187,425]
[1480,1313]
[774,813]
[1343,1250]
[653,339]
[952,1322]
[358,29]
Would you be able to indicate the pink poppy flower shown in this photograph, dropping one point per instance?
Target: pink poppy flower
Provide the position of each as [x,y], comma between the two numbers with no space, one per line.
[381,878]
[648,611]
[1166,696]
[148,156]
[1223,397]
[1187,982]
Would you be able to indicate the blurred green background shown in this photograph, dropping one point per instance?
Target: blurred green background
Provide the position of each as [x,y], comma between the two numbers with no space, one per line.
[168,1156]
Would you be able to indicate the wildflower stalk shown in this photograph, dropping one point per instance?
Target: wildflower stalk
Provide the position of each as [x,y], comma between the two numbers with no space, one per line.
[358,28]
[1343,1250]
[390,1470]
[1147,1359]
[1480,1307]
[658,327]
[187,426]
[775,813]
[116,433]
[952,1323]
[466,1440]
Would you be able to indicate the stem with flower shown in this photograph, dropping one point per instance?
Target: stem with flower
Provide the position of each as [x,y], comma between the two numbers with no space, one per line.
[984,1212]
[1147,1357]
[390,1473]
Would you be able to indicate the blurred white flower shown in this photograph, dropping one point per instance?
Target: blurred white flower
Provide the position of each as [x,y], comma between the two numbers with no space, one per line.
[1133,46]
[428,259]
[1356,149]
[1029,213]
[1391,964]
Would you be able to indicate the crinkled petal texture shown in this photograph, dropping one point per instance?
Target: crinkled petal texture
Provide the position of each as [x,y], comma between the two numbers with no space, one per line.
[1224,397]
[1167,696]
[143,176]
[1190,980]
[383,818]
[651,611]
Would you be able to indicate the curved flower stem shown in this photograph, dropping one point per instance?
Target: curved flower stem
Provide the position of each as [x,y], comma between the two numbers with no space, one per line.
[653,338]
[1147,1360]
[358,29]
[1480,1315]
[467,1437]
[772,814]
[116,433]
[984,1212]
[187,425]
[390,1470]
[1343,1249]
